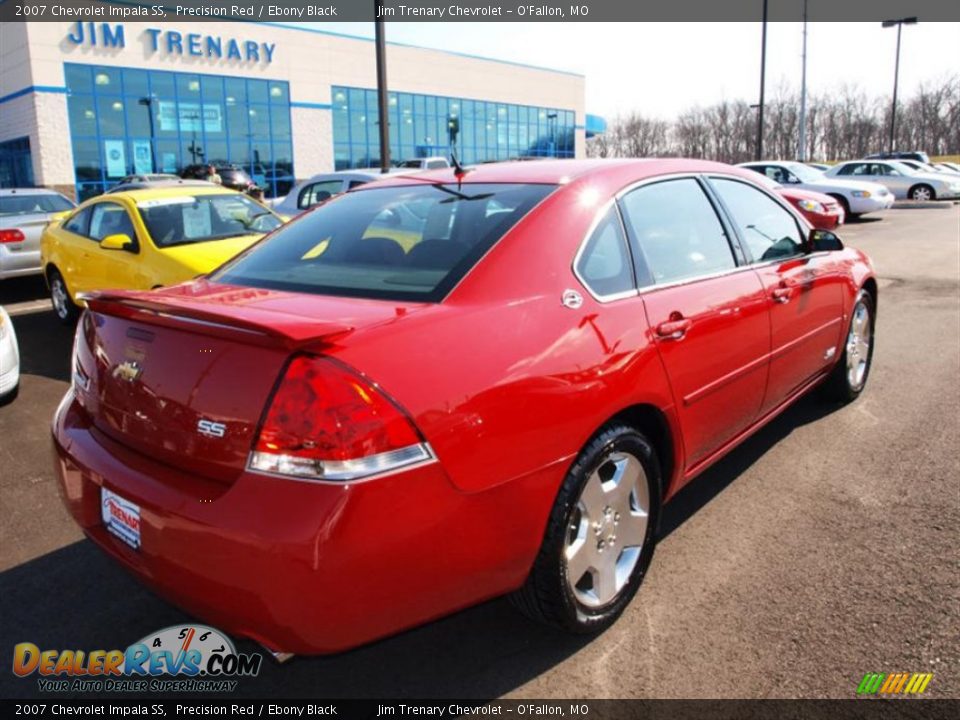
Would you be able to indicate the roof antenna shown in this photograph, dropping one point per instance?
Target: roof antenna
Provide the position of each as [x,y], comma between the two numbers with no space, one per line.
[458,170]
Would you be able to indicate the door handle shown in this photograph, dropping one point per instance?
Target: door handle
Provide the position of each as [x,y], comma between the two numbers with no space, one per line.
[782,294]
[673,329]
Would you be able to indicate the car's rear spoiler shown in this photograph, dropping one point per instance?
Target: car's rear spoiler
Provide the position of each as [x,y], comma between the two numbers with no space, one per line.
[249,325]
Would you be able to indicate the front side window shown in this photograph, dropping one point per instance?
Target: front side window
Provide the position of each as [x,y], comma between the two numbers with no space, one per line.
[316,193]
[407,242]
[677,230]
[604,265]
[110,219]
[183,219]
[769,230]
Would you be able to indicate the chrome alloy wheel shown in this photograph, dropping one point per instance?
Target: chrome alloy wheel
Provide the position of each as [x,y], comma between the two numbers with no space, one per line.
[61,301]
[858,346]
[607,530]
[922,194]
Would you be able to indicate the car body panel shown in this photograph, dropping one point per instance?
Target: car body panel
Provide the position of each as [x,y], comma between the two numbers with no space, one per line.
[503,380]
[9,356]
[86,266]
[878,197]
[23,258]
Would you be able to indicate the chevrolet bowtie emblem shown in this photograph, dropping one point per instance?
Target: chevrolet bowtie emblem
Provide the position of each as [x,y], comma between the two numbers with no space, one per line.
[129,371]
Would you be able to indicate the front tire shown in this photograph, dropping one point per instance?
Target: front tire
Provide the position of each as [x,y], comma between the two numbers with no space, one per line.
[849,377]
[922,193]
[67,312]
[599,539]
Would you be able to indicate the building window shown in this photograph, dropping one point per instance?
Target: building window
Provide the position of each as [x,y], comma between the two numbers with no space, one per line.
[16,166]
[125,121]
[426,125]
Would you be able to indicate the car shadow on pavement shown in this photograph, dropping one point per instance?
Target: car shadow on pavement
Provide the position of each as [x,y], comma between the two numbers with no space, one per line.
[46,346]
[77,598]
[23,289]
[702,489]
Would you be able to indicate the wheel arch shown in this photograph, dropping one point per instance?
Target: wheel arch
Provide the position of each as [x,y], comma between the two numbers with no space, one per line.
[933,190]
[655,425]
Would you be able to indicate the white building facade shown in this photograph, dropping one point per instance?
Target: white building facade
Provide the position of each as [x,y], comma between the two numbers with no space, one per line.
[85,104]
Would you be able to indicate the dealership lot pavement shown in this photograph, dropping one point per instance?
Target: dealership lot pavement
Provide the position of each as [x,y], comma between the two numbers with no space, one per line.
[824,548]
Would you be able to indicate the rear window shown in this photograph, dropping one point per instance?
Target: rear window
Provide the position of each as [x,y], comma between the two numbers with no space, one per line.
[33,204]
[182,219]
[411,242]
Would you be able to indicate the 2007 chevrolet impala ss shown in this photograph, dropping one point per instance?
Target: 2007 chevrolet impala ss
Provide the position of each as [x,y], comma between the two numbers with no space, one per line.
[442,388]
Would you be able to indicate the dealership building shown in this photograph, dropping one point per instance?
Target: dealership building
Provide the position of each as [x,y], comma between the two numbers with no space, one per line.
[84,104]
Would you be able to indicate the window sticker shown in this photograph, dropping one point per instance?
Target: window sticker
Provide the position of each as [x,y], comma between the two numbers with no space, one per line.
[196,220]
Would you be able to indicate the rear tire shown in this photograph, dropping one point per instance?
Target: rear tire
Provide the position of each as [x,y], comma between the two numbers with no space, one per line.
[599,539]
[922,193]
[63,306]
[849,377]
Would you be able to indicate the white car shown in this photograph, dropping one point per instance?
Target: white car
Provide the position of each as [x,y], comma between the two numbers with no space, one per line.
[949,167]
[857,197]
[319,188]
[9,358]
[902,180]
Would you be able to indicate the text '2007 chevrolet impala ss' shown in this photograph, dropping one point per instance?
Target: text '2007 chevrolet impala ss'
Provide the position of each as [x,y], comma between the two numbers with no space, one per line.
[442,388]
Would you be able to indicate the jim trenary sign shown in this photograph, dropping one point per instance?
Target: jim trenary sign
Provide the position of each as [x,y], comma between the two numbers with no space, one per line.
[172,42]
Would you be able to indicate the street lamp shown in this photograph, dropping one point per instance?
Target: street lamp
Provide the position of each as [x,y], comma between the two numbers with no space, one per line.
[896,71]
[147,102]
[381,51]
[763,72]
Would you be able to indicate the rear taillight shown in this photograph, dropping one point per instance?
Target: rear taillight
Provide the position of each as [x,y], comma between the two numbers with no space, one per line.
[11,235]
[328,423]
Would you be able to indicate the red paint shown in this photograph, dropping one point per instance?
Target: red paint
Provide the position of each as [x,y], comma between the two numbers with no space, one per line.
[830,217]
[504,382]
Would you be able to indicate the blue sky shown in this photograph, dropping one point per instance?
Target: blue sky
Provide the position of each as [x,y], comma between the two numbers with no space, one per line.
[662,68]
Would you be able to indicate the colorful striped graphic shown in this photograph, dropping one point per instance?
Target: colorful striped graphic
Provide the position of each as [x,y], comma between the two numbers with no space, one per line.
[894,683]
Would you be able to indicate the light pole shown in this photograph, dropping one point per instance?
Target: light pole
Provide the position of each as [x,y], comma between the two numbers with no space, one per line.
[147,102]
[802,145]
[381,44]
[763,71]
[899,23]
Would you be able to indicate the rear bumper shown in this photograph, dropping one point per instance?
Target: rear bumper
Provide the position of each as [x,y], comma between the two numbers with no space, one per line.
[15,263]
[305,567]
[861,206]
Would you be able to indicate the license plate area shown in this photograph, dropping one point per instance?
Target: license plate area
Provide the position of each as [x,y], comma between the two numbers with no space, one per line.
[120,517]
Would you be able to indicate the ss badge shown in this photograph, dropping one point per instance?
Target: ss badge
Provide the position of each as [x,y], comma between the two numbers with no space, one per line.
[211,428]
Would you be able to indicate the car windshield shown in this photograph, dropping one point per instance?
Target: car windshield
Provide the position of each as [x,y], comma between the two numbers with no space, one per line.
[410,242]
[182,219]
[33,204]
[806,173]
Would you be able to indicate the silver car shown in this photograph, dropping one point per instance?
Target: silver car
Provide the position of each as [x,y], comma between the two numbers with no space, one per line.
[856,196]
[319,188]
[903,181]
[24,213]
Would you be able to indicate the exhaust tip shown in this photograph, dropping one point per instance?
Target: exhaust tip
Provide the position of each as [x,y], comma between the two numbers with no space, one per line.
[279,657]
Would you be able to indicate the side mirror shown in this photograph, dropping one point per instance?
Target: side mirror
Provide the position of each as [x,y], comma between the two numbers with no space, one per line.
[824,241]
[117,242]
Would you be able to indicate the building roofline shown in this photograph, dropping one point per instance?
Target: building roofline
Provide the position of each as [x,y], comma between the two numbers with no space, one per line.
[331,33]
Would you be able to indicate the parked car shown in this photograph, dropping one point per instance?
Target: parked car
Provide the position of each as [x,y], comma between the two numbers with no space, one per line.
[904,182]
[951,166]
[822,211]
[321,188]
[427,163]
[917,155]
[231,176]
[353,438]
[9,359]
[857,198]
[148,177]
[920,166]
[24,213]
[142,239]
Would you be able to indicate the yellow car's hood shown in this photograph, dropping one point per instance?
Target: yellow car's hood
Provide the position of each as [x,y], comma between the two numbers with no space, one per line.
[202,257]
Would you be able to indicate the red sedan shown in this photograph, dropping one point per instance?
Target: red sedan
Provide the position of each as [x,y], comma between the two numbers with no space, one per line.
[446,387]
[822,211]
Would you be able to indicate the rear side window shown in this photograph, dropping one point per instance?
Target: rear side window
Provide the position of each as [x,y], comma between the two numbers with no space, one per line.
[79,223]
[318,192]
[410,242]
[604,265]
[110,219]
[769,230]
[678,231]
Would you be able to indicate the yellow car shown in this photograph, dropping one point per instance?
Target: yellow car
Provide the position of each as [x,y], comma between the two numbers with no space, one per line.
[147,238]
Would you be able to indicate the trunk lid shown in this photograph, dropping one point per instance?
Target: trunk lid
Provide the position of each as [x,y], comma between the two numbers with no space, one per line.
[184,375]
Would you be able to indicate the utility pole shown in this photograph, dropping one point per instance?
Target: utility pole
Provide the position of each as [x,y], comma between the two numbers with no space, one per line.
[896,71]
[802,149]
[763,72]
[381,44]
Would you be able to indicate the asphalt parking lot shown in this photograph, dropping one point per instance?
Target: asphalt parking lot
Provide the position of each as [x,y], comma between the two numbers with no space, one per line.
[824,548]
